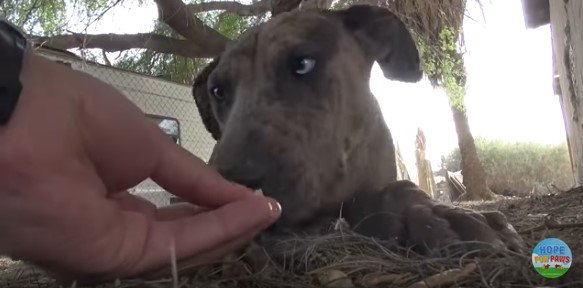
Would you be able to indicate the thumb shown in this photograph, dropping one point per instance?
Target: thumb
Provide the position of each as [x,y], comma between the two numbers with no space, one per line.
[201,233]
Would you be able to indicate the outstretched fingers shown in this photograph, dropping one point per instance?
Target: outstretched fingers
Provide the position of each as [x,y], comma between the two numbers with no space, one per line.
[188,177]
[208,234]
[129,202]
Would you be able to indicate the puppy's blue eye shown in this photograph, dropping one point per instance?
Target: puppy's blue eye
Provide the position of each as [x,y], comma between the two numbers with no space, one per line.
[218,93]
[305,65]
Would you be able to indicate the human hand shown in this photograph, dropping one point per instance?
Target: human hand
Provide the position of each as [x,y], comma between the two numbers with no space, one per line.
[72,148]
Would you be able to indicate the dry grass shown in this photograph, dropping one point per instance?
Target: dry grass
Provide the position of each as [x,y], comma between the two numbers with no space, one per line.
[350,260]
[521,168]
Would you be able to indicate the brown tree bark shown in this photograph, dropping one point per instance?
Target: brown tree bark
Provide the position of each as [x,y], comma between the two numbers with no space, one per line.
[177,15]
[121,42]
[235,7]
[316,4]
[475,178]
[280,6]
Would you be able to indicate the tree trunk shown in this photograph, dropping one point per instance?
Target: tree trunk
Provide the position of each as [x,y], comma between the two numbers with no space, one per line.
[475,178]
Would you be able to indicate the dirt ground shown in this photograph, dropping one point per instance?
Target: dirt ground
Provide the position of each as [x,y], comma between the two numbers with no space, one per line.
[347,260]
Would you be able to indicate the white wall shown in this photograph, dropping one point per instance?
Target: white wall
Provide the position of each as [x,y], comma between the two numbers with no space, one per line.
[153,96]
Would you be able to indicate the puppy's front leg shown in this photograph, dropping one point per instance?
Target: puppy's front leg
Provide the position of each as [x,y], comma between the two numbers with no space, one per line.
[403,212]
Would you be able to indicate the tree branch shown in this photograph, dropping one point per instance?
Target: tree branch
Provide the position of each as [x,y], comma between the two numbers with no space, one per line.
[201,40]
[121,42]
[315,4]
[178,17]
[254,9]
[29,12]
[280,6]
[104,55]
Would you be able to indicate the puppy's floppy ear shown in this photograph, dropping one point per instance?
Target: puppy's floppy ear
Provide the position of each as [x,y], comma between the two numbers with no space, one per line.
[201,97]
[384,38]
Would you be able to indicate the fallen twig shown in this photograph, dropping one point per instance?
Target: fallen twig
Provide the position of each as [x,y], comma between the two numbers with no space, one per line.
[556,210]
[447,277]
[378,278]
[578,189]
[552,225]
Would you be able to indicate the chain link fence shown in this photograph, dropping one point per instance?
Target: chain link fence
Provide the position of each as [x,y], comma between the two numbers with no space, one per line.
[169,104]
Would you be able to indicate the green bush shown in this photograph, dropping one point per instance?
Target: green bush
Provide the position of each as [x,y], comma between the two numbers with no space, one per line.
[520,167]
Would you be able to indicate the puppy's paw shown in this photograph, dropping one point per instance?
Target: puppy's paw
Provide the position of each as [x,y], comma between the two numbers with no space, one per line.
[403,212]
[433,225]
[506,232]
[251,259]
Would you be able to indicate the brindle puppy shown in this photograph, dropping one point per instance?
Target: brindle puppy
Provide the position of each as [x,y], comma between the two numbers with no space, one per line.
[291,108]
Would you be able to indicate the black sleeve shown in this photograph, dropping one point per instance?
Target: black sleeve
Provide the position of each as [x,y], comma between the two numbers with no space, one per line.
[13,46]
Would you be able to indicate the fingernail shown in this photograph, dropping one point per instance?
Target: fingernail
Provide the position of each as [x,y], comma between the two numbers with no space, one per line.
[274,208]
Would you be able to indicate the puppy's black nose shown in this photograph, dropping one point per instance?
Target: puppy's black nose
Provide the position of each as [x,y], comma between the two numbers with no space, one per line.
[243,162]
[249,173]
[242,155]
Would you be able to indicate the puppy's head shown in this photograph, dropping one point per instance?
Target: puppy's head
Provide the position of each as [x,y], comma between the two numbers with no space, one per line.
[290,105]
